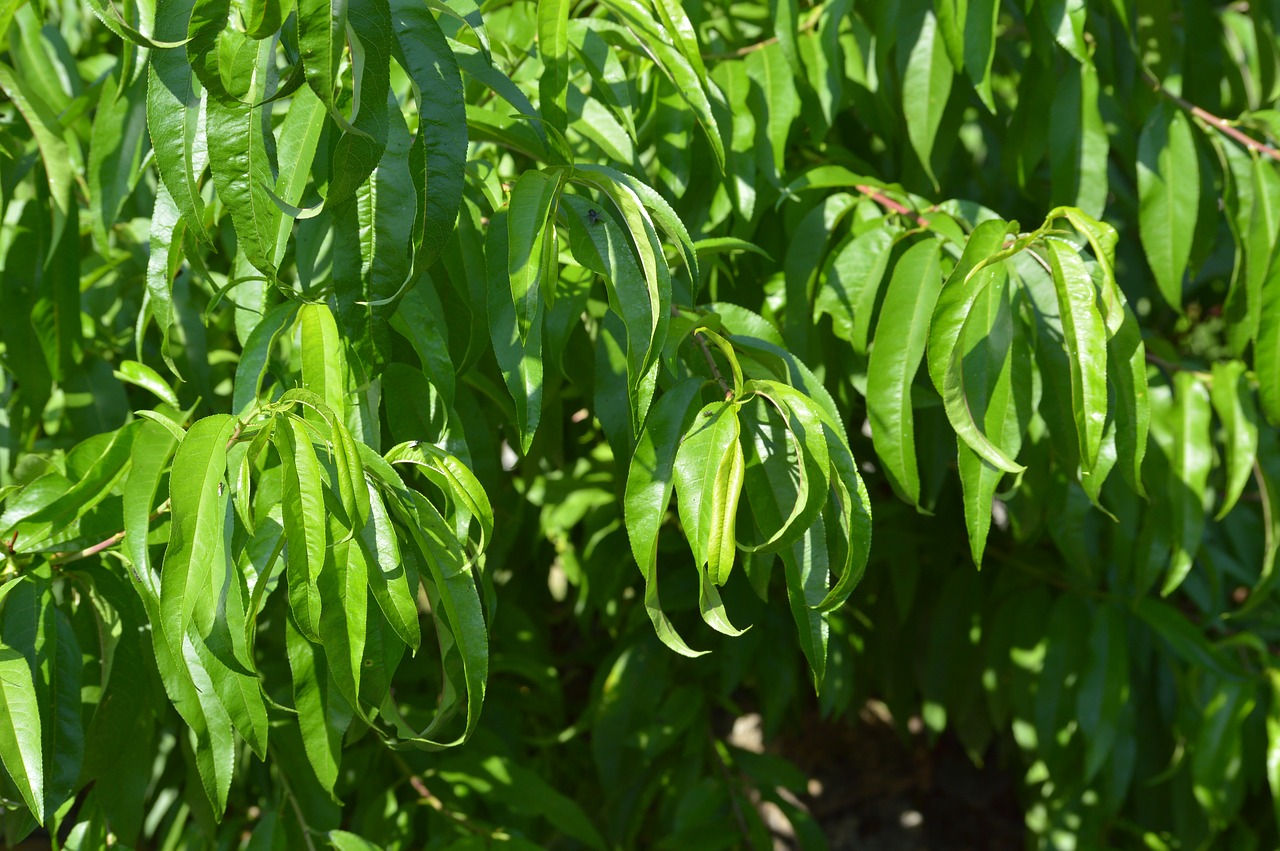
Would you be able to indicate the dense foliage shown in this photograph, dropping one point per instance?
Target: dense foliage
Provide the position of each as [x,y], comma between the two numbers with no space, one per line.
[366,362]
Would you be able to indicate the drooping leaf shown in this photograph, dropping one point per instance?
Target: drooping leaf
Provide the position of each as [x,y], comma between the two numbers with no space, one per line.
[899,347]
[1169,197]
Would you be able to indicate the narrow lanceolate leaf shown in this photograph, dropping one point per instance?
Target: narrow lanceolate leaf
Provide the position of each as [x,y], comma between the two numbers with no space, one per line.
[305,526]
[257,351]
[166,243]
[703,465]
[1189,468]
[895,357]
[650,481]
[359,149]
[195,559]
[708,456]
[926,85]
[519,358]
[980,23]
[456,601]
[172,116]
[388,579]
[151,452]
[966,282]
[344,598]
[322,32]
[1266,349]
[553,50]
[849,292]
[1273,739]
[994,360]
[115,149]
[1259,192]
[371,267]
[324,368]
[47,130]
[20,733]
[601,246]
[1078,141]
[295,153]
[323,713]
[533,203]
[438,158]
[1168,196]
[1084,338]
[1126,354]
[1232,400]
[243,171]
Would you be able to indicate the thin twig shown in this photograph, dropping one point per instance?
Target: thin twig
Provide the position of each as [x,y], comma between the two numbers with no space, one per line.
[805,26]
[711,362]
[890,204]
[105,544]
[1214,121]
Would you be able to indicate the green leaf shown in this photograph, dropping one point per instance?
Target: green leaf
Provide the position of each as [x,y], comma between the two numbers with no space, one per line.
[162,263]
[47,131]
[20,732]
[456,602]
[1259,192]
[323,713]
[344,599]
[321,38]
[1084,339]
[1232,400]
[1190,462]
[344,841]
[116,150]
[360,147]
[173,117]
[708,481]
[1273,740]
[980,23]
[141,375]
[243,170]
[196,554]
[438,158]
[899,346]
[848,293]
[926,84]
[530,224]
[1078,142]
[803,264]
[994,359]
[650,482]
[553,50]
[306,531]
[257,353]
[971,277]
[1266,351]
[1169,197]
[388,579]
[371,269]
[519,358]
[639,302]
[152,449]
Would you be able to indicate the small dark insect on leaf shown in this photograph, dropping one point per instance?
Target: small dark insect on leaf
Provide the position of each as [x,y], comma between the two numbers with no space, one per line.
[594,216]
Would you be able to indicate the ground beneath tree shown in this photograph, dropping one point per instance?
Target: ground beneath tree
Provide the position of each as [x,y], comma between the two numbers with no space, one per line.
[872,791]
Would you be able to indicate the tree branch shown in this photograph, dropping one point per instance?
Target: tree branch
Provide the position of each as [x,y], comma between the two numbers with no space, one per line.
[808,24]
[1220,124]
[890,204]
